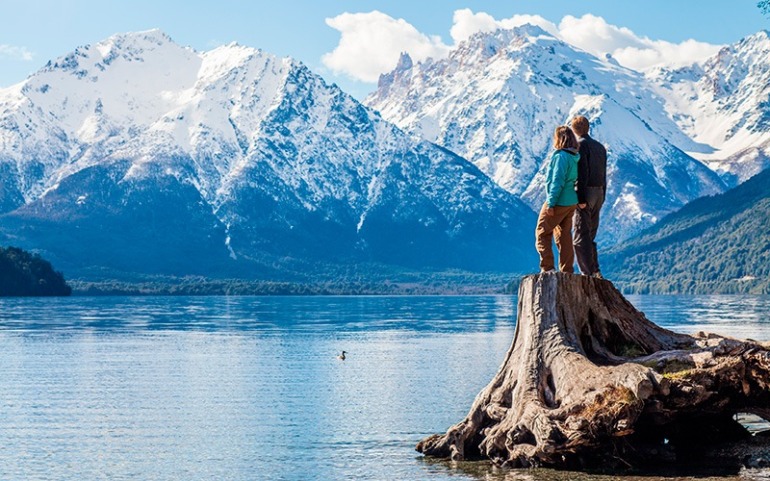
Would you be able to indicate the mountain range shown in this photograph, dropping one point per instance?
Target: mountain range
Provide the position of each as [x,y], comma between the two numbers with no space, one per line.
[140,155]
[672,135]
[724,106]
[137,156]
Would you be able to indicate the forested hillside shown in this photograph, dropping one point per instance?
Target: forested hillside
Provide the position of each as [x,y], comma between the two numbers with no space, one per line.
[716,244]
[25,274]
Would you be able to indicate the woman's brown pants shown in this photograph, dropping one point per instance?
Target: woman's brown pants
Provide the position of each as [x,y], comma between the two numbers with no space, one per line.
[559,223]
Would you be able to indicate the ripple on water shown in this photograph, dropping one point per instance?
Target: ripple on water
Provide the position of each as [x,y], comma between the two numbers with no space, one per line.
[250,388]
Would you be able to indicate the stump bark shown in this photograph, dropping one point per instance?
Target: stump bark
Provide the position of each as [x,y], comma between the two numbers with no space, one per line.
[589,382]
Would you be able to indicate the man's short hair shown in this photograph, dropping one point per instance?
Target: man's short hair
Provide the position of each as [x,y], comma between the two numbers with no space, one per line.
[580,125]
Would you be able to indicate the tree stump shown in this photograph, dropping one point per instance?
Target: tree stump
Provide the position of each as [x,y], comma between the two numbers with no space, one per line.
[590,382]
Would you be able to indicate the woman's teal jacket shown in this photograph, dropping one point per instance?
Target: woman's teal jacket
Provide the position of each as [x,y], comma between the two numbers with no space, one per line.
[560,178]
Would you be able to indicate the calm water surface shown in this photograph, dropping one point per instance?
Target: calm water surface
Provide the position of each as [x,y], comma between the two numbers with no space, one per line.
[249,388]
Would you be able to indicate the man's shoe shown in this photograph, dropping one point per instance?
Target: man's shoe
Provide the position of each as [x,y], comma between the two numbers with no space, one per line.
[598,275]
[549,271]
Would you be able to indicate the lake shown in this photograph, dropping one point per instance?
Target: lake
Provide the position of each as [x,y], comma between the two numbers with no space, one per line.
[250,388]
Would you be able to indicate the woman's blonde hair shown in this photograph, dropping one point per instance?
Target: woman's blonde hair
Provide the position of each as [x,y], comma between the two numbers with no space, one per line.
[564,138]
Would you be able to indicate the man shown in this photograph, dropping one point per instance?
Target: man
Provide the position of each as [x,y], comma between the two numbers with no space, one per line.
[591,189]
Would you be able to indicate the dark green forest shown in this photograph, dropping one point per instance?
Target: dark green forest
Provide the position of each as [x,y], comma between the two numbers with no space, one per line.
[26,274]
[716,244]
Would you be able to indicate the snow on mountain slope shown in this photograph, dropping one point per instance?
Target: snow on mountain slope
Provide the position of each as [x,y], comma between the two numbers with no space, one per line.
[81,107]
[244,157]
[724,104]
[498,97]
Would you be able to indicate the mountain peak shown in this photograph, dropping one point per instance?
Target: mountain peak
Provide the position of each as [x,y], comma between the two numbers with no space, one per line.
[404,62]
[485,45]
[154,35]
[510,36]
[233,54]
[88,60]
[531,30]
[134,44]
[760,40]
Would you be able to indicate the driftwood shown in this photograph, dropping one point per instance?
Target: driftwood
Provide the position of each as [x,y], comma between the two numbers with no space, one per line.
[589,383]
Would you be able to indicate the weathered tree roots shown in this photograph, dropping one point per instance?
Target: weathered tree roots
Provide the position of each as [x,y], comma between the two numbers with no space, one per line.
[590,383]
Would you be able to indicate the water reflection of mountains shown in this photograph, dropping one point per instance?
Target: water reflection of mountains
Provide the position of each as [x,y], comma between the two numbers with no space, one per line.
[295,314]
[738,316]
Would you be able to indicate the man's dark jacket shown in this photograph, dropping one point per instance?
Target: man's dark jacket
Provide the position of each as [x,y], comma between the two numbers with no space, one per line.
[592,166]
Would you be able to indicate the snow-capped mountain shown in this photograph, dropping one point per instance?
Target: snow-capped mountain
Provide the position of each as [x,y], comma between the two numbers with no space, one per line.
[141,155]
[498,96]
[724,105]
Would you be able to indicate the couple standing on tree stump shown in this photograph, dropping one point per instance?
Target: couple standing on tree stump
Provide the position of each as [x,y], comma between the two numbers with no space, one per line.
[576,182]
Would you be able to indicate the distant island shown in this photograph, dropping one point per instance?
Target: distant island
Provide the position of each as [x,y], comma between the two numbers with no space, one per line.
[25,274]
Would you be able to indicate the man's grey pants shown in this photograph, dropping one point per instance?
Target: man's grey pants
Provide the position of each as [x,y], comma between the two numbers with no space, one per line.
[586,224]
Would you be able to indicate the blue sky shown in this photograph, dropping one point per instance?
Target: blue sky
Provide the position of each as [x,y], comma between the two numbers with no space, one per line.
[34,31]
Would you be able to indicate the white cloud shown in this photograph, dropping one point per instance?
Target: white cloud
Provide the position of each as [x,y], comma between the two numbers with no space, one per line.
[665,53]
[370,43]
[15,52]
[465,23]
[595,35]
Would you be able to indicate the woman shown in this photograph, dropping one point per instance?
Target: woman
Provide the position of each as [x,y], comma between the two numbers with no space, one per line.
[561,200]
